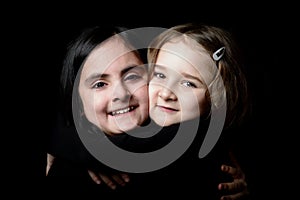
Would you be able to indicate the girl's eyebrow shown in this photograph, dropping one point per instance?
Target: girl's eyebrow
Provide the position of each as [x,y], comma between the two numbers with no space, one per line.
[191,77]
[96,76]
[186,75]
[159,66]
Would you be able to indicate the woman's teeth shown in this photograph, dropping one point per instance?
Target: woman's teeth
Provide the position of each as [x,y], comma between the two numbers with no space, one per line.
[122,111]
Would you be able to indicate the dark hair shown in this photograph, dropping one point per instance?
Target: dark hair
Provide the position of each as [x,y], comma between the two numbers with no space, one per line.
[77,52]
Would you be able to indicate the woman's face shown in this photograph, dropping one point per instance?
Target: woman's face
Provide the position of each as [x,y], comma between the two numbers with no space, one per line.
[113,88]
[177,90]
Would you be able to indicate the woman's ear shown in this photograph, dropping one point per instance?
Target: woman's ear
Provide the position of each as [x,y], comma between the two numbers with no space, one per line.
[81,113]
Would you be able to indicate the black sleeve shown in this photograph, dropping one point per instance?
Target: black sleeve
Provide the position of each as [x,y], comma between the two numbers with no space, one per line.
[64,143]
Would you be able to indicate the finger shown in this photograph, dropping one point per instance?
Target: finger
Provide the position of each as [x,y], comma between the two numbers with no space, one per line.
[237,196]
[94,177]
[50,160]
[228,169]
[47,169]
[125,177]
[118,179]
[236,173]
[107,181]
[239,173]
[237,185]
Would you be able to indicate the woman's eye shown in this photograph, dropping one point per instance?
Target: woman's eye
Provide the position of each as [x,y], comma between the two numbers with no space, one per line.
[132,77]
[159,75]
[189,84]
[99,85]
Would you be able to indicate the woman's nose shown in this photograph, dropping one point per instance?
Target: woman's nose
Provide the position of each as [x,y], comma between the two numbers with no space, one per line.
[120,93]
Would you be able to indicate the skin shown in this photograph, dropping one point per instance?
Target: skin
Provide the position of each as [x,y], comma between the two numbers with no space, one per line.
[113,88]
[177,90]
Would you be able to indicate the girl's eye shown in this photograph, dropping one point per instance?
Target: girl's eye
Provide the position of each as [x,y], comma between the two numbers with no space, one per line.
[132,77]
[159,75]
[99,85]
[189,84]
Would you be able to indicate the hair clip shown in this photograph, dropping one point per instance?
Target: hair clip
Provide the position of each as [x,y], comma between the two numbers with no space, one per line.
[217,55]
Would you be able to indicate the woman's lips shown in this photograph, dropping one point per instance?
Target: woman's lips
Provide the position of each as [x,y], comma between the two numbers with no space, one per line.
[122,111]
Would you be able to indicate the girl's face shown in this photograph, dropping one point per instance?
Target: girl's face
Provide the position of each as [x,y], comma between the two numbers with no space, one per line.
[177,89]
[113,88]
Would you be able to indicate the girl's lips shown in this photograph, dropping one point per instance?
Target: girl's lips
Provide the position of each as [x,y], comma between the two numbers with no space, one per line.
[167,109]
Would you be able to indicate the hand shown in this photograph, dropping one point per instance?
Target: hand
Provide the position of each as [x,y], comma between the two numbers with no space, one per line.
[110,180]
[238,188]
[50,160]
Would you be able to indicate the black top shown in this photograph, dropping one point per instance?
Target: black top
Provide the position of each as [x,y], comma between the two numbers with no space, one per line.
[187,175]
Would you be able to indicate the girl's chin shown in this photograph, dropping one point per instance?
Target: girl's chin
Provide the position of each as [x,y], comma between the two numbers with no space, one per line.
[163,122]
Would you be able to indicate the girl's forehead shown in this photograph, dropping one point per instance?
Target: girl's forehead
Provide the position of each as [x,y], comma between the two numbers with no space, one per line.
[187,50]
[193,54]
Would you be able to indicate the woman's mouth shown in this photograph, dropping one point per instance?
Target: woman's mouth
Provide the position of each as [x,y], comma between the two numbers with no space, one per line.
[122,111]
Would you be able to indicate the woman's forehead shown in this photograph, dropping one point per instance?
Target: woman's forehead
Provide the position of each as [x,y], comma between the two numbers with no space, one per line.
[107,53]
[109,50]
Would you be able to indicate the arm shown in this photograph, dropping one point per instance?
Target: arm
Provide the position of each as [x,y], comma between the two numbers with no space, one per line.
[111,180]
[65,143]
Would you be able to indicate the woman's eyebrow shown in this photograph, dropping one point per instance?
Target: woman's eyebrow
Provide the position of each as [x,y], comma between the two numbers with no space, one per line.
[130,67]
[97,76]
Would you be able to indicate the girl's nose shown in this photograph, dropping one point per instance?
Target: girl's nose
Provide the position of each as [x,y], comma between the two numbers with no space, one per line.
[167,94]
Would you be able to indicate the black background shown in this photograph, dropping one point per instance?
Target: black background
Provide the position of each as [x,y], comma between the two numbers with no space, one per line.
[40,34]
